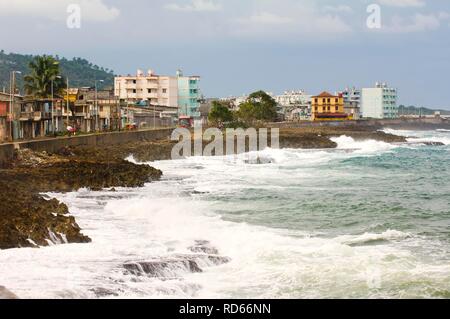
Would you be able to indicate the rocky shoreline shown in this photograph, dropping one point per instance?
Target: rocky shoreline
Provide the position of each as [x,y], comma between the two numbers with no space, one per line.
[30,219]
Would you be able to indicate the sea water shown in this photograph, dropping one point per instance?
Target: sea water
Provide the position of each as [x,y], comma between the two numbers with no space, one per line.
[366,220]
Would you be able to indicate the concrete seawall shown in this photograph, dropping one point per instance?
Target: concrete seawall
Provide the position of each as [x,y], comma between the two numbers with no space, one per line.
[54,144]
[407,124]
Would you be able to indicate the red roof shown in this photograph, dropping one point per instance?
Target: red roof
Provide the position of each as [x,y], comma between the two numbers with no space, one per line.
[331,115]
[325,94]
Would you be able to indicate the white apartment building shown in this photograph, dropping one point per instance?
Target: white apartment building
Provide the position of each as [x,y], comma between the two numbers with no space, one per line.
[295,105]
[352,102]
[158,90]
[379,102]
[293,98]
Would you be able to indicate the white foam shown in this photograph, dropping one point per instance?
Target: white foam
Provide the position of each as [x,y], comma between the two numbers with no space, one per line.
[362,147]
[165,218]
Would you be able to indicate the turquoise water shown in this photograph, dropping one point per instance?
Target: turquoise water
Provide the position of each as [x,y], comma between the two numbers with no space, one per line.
[365,220]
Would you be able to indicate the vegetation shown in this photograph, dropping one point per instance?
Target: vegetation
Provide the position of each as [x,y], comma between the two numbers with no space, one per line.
[44,78]
[259,107]
[220,114]
[413,110]
[81,73]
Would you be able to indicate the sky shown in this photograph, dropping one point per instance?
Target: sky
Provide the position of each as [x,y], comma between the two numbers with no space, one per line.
[239,46]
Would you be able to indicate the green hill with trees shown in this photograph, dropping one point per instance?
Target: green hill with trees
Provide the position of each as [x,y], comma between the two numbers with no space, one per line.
[81,72]
[414,110]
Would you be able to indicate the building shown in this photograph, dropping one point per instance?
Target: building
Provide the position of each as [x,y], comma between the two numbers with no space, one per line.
[379,102]
[295,105]
[9,119]
[35,119]
[4,110]
[157,89]
[328,107]
[189,96]
[352,102]
[181,92]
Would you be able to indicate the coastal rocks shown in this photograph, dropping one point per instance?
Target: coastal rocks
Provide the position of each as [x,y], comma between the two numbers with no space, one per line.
[174,266]
[433,143]
[203,246]
[165,268]
[27,219]
[305,141]
[6,294]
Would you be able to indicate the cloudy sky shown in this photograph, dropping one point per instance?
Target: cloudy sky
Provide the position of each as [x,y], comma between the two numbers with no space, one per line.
[242,45]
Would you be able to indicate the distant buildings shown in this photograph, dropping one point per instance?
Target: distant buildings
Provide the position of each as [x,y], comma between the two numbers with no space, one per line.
[328,107]
[9,116]
[181,92]
[379,102]
[352,102]
[4,107]
[295,105]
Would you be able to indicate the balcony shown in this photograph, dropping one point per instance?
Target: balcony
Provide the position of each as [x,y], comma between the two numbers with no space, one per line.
[35,116]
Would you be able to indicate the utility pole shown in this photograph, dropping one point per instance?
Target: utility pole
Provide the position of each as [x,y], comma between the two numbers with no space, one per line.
[12,87]
[53,102]
[96,106]
[67,97]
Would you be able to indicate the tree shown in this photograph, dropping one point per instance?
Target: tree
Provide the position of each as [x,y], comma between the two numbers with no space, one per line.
[259,107]
[44,69]
[220,113]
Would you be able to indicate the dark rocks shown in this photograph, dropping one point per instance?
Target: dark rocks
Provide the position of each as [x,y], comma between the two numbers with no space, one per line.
[203,246]
[176,265]
[6,294]
[28,219]
[433,143]
[104,293]
[165,268]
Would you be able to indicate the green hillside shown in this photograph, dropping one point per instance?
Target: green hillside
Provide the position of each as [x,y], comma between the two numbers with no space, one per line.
[413,110]
[81,72]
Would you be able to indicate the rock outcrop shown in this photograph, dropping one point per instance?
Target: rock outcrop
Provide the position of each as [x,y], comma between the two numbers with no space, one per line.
[6,294]
[28,219]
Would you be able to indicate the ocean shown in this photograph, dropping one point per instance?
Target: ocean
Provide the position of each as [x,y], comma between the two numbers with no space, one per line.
[366,220]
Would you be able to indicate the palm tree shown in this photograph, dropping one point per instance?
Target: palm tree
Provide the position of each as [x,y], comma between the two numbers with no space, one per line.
[44,70]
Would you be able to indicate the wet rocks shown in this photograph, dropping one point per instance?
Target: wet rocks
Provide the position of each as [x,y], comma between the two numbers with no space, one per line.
[28,219]
[6,294]
[163,268]
[176,265]
[433,143]
[103,292]
[203,246]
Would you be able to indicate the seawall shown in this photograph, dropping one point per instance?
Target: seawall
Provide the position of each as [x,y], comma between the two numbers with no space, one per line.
[51,145]
[406,124]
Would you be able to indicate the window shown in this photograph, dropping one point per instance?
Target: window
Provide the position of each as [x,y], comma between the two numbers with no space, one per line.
[134,90]
[316,101]
[324,101]
[337,108]
[134,81]
[337,100]
[316,109]
[164,90]
[329,108]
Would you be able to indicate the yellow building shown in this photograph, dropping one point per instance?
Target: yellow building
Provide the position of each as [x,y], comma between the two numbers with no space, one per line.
[328,107]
